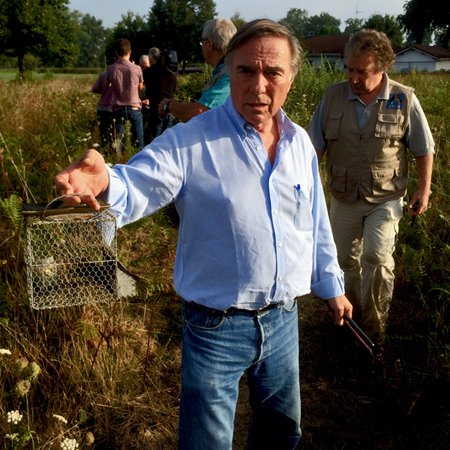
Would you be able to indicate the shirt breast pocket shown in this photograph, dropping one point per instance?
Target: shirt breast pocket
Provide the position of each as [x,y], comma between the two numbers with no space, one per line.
[303,220]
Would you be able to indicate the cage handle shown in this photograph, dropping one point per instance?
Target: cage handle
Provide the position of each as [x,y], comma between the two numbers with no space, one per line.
[75,194]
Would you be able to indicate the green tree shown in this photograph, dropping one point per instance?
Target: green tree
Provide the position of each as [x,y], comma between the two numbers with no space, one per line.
[323,24]
[389,25]
[136,29]
[43,28]
[238,20]
[177,25]
[92,39]
[297,21]
[353,25]
[423,17]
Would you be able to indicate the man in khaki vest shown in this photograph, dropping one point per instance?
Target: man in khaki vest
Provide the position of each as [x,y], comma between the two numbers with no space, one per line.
[365,125]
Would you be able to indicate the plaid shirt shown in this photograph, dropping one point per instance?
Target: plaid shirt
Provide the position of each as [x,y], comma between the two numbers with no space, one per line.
[125,78]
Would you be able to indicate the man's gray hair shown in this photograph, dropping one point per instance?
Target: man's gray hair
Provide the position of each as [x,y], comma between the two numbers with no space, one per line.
[153,54]
[144,59]
[219,32]
[266,28]
[373,42]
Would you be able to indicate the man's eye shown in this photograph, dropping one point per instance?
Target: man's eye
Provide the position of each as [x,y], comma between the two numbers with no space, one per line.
[244,70]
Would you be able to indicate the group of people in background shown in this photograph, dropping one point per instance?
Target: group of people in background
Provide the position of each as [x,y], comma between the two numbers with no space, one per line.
[143,94]
[254,228]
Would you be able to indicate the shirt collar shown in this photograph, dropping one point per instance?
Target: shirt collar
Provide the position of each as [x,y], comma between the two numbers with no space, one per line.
[243,127]
[218,68]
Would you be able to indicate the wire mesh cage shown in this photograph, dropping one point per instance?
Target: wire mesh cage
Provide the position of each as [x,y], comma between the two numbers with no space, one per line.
[70,256]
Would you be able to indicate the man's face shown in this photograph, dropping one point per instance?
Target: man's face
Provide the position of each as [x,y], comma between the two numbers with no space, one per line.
[362,73]
[206,49]
[261,76]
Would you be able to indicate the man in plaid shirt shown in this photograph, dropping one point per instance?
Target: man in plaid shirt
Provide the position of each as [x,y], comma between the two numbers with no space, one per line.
[126,81]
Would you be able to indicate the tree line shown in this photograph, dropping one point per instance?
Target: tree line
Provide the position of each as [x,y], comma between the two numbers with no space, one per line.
[47,33]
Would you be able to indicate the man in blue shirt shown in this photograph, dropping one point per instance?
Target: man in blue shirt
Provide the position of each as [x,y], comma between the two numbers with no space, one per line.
[254,235]
[214,40]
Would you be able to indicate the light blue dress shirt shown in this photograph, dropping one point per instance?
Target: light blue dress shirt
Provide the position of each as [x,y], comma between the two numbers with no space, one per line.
[250,233]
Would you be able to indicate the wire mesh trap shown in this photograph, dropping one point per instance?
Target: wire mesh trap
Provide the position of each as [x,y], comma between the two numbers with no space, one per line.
[70,256]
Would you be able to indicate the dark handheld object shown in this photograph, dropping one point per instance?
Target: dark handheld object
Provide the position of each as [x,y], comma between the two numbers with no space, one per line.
[359,333]
[56,207]
[414,207]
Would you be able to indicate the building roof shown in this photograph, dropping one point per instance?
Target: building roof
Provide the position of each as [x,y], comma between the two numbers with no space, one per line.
[327,44]
[433,51]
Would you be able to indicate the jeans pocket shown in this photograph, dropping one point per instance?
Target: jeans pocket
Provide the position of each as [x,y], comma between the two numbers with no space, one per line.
[290,306]
[202,319]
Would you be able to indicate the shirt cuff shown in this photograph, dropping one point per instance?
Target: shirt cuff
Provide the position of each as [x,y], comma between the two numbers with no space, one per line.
[329,288]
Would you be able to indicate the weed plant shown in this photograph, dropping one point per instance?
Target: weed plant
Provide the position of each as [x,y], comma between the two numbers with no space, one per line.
[107,376]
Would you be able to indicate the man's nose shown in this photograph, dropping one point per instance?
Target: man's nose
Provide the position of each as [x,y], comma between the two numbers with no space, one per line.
[353,77]
[260,82]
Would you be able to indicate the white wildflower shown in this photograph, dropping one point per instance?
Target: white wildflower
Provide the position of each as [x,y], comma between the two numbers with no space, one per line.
[13,436]
[60,418]
[69,444]
[5,351]
[14,417]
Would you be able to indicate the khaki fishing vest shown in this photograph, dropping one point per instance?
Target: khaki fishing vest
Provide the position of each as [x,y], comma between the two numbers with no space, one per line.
[369,163]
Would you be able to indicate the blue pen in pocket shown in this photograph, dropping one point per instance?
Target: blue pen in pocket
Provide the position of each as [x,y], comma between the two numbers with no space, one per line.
[303,217]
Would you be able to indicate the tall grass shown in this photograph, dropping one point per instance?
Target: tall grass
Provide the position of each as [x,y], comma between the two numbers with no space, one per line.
[112,371]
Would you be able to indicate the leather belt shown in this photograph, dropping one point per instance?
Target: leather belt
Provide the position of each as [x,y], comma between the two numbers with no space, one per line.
[232,311]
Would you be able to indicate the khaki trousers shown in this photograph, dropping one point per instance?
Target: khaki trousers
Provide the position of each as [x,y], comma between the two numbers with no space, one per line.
[365,236]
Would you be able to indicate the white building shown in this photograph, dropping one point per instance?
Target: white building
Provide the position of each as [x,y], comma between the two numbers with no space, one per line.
[422,58]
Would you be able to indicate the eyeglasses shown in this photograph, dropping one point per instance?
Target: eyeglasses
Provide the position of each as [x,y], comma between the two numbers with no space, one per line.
[202,41]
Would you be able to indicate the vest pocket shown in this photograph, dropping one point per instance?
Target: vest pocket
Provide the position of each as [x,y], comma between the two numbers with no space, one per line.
[333,126]
[386,180]
[338,178]
[389,126]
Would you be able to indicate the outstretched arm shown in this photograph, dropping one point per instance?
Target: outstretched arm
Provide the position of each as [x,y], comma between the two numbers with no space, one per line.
[87,178]
[183,111]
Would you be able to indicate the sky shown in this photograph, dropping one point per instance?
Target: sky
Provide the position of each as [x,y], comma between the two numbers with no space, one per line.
[111,11]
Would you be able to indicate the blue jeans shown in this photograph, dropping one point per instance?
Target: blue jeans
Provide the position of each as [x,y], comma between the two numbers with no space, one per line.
[218,348]
[134,116]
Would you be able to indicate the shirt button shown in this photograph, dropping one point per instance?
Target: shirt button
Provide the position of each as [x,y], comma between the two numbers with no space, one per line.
[280,244]
[280,278]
